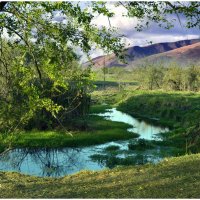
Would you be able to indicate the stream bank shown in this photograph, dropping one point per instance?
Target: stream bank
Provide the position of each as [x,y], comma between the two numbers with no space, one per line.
[56,162]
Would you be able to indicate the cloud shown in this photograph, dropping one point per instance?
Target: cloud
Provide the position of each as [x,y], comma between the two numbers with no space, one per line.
[154,33]
[119,20]
[126,26]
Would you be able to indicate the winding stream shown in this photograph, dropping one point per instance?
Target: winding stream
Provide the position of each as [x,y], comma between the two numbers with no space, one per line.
[144,129]
[60,162]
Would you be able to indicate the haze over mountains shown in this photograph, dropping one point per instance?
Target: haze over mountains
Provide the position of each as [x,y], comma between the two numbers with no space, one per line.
[180,51]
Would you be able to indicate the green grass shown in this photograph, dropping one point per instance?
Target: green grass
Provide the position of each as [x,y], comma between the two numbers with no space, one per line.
[177,110]
[99,131]
[108,96]
[172,178]
[177,177]
[100,108]
[180,111]
[115,75]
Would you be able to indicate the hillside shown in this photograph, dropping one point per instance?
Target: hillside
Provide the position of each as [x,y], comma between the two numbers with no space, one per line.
[183,55]
[173,178]
[136,53]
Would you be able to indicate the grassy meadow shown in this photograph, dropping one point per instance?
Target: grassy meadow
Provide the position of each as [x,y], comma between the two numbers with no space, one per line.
[172,178]
[65,65]
[175,177]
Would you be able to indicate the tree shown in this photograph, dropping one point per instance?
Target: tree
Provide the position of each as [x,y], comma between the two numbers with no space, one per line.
[193,76]
[45,48]
[173,78]
[46,64]
[159,12]
[152,76]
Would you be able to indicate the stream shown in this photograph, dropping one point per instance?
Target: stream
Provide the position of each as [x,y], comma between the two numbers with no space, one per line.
[144,129]
[59,162]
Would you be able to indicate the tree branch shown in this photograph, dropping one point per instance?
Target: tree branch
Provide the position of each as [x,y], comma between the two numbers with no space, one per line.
[35,61]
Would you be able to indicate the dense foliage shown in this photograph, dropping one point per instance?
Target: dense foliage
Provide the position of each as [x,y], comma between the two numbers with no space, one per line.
[41,80]
[173,77]
[39,73]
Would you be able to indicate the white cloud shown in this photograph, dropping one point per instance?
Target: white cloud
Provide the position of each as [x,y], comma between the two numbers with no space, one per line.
[144,39]
[154,33]
[119,21]
[126,26]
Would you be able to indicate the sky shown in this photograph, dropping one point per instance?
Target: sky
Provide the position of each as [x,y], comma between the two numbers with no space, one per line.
[125,26]
[153,34]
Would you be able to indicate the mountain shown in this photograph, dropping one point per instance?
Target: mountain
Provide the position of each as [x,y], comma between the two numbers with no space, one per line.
[182,55]
[136,52]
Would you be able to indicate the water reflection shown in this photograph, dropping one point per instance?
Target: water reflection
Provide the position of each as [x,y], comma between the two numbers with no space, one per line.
[144,129]
[111,161]
[47,162]
[132,157]
[60,162]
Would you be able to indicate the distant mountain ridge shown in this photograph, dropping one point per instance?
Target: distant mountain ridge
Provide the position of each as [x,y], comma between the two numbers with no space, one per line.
[136,52]
[182,55]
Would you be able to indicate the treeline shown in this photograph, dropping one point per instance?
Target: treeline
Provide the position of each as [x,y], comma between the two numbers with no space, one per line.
[171,77]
